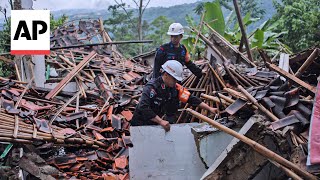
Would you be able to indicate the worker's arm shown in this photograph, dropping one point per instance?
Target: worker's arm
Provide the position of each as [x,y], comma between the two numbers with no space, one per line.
[145,106]
[158,61]
[161,122]
[192,67]
[205,106]
[195,101]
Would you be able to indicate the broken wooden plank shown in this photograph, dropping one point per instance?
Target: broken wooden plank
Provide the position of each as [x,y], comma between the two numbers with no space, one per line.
[307,63]
[284,63]
[292,78]
[67,61]
[73,73]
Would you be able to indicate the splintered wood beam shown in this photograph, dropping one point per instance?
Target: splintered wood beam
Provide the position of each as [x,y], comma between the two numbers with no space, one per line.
[292,78]
[307,63]
[72,74]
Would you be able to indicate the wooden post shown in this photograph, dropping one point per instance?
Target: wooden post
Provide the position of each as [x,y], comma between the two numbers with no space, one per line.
[243,31]
[256,146]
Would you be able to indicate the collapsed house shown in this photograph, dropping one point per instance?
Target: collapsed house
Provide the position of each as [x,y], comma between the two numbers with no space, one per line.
[74,122]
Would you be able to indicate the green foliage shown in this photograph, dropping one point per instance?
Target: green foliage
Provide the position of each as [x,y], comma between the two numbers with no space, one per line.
[301,19]
[54,23]
[158,31]
[5,38]
[253,7]
[122,26]
[199,8]
[263,37]
[6,69]
[233,34]
[214,16]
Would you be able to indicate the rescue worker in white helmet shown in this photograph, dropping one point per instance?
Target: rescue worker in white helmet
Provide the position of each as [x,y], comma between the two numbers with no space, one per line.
[174,50]
[161,96]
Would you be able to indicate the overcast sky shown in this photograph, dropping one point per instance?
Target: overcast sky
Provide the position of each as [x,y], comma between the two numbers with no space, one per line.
[98,4]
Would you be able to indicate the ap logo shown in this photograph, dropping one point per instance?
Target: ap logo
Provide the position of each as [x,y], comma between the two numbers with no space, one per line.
[30,32]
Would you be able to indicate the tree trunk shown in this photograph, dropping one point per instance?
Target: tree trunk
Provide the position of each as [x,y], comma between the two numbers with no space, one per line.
[140,25]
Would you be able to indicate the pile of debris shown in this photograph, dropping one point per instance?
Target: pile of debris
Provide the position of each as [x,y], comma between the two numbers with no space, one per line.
[85,133]
[284,93]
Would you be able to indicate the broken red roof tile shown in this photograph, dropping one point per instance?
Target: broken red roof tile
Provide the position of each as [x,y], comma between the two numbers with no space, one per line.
[134,75]
[124,177]
[109,176]
[128,77]
[81,159]
[66,131]
[42,125]
[92,155]
[125,125]
[76,167]
[108,129]
[109,114]
[98,136]
[127,114]
[65,160]
[31,106]
[121,162]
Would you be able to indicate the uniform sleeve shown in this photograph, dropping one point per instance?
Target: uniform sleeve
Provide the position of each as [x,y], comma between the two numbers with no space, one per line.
[194,101]
[191,66]
[158,61]
[194,69]
[145,102]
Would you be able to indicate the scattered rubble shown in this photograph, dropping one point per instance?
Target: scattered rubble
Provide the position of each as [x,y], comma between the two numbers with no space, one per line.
[85,134]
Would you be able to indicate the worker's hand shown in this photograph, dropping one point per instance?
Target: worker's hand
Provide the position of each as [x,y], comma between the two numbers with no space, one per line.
[165,125]
[213,110]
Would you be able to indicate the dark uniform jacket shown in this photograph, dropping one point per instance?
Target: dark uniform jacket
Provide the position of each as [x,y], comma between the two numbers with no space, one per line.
[158,99]
[169,52]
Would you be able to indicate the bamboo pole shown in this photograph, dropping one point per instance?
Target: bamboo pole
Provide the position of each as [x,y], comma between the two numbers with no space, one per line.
[215,99]
[256,146]
[287,171]
[197,37]
[218,77]
[255,102]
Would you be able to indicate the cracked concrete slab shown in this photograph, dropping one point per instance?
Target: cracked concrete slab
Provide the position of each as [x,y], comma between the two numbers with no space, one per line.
[239,161]
[158,155]
[210,142]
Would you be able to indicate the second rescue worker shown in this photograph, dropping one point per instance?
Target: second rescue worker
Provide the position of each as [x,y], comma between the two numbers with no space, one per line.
[174,50]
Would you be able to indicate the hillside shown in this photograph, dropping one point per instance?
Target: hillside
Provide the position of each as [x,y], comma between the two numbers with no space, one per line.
[176,13]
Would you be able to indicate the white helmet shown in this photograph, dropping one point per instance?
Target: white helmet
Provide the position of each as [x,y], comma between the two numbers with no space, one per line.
[175,29]
[174,68]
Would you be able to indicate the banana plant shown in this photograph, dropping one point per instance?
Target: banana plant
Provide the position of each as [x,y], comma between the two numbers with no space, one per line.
[214,17]
[263,37]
